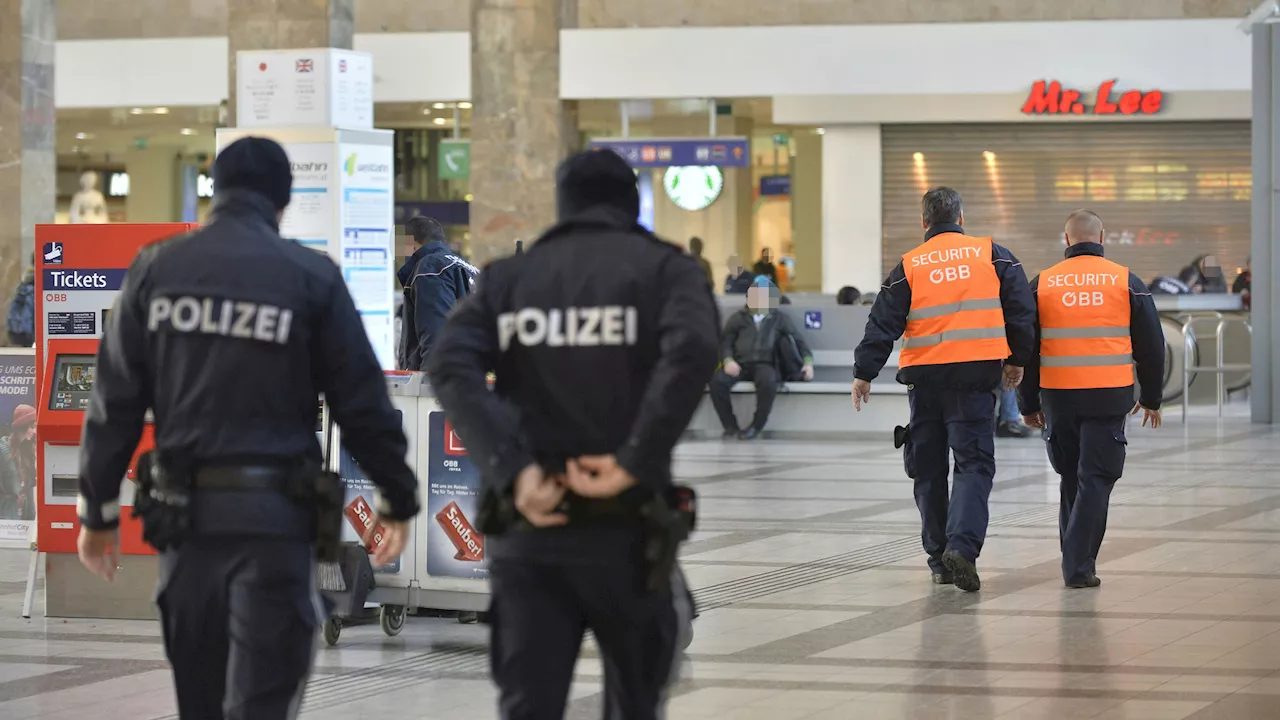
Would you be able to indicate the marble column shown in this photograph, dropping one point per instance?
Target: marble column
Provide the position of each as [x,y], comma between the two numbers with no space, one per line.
[520,129]
[806,211]
[155,185]
[28,165]
[283,25]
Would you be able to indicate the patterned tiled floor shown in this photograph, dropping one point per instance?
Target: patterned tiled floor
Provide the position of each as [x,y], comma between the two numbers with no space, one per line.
[817,604]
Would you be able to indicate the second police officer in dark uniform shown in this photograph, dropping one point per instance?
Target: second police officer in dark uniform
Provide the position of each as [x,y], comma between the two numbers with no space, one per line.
[602,339]
[228,335]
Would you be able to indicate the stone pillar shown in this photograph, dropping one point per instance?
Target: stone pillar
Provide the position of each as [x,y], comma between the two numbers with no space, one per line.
[28,165]
[155,185]
[1264,395]
[806,211]
[284,25]
[520,129]
[852,235]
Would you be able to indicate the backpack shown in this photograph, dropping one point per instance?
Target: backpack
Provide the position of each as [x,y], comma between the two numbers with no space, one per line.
[787,357]
[22,311]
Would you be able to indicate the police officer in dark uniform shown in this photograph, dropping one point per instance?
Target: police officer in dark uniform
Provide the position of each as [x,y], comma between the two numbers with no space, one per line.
[602,339]
[964,309]
[228,335]
[1097,325]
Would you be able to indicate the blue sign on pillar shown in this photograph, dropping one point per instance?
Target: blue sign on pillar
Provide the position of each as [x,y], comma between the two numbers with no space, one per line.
[774,185]
[813,320]
[725,152]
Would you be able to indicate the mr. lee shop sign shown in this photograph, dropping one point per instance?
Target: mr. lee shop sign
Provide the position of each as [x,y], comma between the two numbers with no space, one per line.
[1050,98]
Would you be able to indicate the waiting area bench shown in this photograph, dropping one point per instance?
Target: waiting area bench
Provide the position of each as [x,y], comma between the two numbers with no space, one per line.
[822,408]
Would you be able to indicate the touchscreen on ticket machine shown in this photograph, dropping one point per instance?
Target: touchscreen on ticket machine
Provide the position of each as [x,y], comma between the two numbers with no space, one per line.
[79,272]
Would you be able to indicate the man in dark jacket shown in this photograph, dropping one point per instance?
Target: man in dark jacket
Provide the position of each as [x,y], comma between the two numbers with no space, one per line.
[739,279]
[695,249]
[601,339]
[1097,321]
[966,310]
[749,349]
[22,310]
[433,280]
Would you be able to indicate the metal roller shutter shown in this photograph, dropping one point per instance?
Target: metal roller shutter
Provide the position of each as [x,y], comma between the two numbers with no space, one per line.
[1167,192]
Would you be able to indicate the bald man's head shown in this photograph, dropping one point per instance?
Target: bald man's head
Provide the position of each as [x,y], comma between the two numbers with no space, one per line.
[1083,226]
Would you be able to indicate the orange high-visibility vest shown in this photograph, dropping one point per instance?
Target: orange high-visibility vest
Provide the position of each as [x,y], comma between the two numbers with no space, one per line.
[1084,325]
[955,303]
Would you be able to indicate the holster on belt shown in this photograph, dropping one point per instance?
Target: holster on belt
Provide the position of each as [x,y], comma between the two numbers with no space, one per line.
[669,518]
[322,492]
[163,501]
[901,436]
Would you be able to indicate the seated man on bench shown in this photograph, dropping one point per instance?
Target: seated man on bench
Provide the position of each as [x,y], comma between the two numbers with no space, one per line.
[753,339]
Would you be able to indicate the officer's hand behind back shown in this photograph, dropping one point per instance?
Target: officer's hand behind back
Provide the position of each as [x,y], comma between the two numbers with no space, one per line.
[538,497]
[1034,420]
[598,476]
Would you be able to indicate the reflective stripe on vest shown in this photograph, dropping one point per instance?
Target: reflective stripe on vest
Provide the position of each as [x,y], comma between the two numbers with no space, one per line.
[1084,325]
[955,313]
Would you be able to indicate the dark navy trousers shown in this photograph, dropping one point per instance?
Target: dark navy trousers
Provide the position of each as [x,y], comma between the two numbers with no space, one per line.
[539,613]
[240,617]
[952,427]
[1089,453]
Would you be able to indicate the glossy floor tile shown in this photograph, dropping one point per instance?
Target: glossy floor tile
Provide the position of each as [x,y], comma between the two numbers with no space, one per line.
[816,604]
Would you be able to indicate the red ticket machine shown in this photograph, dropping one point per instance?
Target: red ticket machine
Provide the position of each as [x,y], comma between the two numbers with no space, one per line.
[80,270]
[69,372]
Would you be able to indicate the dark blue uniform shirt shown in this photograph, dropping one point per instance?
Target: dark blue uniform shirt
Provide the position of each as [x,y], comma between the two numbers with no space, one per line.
[888,321]
[602,338]
[228,335]
[1147,337]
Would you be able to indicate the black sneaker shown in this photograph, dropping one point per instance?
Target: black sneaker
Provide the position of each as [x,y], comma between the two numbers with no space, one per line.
[1013,430]
[730,434]
[962,570]
[1088,581]
[749,434]
[943,578]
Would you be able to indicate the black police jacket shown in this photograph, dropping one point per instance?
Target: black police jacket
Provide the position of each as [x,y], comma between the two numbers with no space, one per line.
[888,321]
[602,339]
[228,335]
[1147,337]
[433,279]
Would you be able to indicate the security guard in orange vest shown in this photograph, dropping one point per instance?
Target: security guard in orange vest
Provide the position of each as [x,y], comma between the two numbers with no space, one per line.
[965,311]
[1097,320]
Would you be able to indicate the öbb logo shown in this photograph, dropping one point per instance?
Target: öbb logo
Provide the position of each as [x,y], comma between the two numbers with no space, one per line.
[1050,98]
[949,274]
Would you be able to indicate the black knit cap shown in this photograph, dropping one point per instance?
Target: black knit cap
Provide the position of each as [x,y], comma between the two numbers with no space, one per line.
[594,178]
[257,164]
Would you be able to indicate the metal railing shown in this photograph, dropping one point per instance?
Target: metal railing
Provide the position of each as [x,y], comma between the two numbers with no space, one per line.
[1220,366]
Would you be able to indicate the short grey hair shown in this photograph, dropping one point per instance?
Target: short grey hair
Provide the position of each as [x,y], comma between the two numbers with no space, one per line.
[941,205]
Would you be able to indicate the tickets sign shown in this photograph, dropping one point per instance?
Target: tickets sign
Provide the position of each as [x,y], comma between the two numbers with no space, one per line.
[454,547]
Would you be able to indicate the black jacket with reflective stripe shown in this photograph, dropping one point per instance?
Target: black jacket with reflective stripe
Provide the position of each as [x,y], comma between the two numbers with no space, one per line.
[888,321]
[1148,355]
